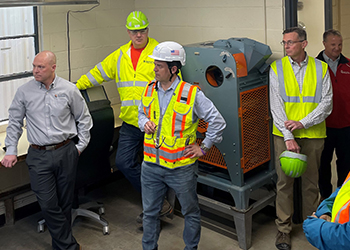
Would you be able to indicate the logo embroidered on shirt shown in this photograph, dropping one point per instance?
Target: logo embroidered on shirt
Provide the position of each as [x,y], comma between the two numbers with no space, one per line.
[344,72]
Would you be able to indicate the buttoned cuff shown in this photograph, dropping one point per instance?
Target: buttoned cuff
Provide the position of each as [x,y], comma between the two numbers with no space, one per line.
[305,123]
[287,135]
[207,143]
[11,150]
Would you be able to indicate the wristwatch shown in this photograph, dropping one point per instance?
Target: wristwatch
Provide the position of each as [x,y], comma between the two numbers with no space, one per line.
[205,149]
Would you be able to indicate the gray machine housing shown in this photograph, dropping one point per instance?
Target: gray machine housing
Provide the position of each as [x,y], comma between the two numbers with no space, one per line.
[238,87]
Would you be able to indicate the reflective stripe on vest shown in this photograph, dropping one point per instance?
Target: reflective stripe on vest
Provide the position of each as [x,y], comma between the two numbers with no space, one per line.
[149,92]
[341,206]
[118,65]
[131,84]
[92,79]
[103,73]
[130,103]
[314,99]
[185,97]
[298,105]
[175,129]
[167,155]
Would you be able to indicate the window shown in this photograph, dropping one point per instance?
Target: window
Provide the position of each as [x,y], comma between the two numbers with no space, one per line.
[18,46]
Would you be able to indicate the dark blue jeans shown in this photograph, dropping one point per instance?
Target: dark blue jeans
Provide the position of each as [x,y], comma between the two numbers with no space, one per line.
[155,182]
[129,144]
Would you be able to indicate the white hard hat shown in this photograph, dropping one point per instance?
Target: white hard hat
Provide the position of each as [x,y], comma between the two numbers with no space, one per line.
[169,52]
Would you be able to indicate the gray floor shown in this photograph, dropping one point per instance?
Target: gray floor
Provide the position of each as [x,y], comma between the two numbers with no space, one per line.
[122,204]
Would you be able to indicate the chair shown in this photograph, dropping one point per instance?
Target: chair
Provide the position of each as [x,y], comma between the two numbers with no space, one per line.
[94,164]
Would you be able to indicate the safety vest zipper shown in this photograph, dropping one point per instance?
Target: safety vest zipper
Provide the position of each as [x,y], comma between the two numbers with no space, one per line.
[158,134]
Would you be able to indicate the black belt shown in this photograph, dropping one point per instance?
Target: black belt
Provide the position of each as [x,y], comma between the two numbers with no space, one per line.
[51,147]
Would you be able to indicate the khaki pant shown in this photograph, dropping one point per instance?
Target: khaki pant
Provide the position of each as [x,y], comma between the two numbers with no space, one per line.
[309,181]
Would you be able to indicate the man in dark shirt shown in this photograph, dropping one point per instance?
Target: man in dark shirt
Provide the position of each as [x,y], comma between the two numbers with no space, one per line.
[338,122]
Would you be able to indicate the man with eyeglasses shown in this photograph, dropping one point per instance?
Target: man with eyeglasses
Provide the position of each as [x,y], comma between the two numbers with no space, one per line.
[300,101]
[338,123]
[132,69]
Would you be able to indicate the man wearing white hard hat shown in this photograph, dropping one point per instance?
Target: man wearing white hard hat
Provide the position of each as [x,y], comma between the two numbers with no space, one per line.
[300,101]
[168,114]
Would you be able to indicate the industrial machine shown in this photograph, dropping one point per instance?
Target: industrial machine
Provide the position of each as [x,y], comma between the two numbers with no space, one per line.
[233,74]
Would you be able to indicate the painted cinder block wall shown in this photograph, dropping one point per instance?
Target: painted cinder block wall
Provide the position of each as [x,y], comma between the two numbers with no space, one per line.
[95,34]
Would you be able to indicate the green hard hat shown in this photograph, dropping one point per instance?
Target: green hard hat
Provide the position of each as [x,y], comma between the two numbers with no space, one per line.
[293,164]
[136,21]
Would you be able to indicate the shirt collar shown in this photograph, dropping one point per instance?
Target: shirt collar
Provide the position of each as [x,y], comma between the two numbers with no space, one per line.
[328,60]
[172,86]
[52,85]
[302,63]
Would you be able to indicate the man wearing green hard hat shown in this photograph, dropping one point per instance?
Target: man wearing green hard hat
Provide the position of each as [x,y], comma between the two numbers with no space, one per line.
[131,68]
[300,101]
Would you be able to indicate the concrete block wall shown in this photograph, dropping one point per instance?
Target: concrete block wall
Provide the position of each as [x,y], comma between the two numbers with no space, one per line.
[335,13]
[205,20]
[312,15]
[344,11]
[95,34]
[341,17]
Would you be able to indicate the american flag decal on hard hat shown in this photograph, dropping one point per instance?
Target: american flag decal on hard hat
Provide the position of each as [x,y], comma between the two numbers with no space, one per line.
[175,52]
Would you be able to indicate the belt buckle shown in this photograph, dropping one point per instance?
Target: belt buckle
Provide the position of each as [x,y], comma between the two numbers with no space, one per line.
[52,147]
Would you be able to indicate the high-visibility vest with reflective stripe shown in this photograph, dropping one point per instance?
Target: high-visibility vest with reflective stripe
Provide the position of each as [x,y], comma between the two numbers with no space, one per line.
[299,105]
[175,129]
[130,83]
[341,205]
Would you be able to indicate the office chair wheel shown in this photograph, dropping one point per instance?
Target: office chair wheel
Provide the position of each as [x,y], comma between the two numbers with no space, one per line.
[101,210]
[105,230]
[41,228]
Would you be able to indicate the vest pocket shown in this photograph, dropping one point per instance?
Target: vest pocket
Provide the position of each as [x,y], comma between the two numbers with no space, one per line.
[170,141]
[147,101]
[148,137]
[181,110]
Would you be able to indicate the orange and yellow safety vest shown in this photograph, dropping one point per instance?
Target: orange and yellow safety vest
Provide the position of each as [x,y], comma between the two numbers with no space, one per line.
[341,205]
[175,129]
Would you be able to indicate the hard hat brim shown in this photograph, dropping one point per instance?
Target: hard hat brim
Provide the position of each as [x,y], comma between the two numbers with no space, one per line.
[165,59]
[291,154]
[137,28]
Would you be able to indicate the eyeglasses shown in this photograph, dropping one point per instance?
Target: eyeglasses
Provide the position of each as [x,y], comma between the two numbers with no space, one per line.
[290,43]
[142,32]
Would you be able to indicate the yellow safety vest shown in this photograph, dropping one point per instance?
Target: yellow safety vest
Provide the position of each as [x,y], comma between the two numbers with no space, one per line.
[130,83]
[341,205]
[298,105]
[175,129]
